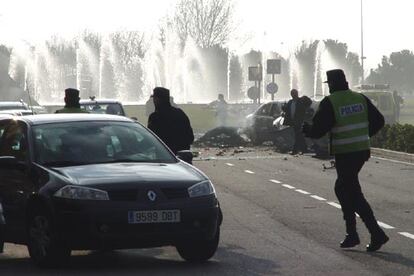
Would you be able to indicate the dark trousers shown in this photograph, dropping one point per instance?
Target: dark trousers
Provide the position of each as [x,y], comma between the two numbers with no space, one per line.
[350,196]
[300,143]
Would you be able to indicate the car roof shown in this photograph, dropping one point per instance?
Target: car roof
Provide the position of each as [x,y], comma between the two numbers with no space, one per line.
[40,119]
[11,103]
[99,101]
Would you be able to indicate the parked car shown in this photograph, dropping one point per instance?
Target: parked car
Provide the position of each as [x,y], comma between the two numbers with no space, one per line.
[259,124]
[17,112]
[88,181]
[15,108]
[382,97]
[102,106]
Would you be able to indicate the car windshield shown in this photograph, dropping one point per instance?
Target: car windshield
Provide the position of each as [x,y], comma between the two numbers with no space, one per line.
[103,108]
[79,143]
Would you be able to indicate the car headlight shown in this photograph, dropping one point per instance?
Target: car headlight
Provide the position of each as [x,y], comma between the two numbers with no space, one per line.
[78,192]
[201,189]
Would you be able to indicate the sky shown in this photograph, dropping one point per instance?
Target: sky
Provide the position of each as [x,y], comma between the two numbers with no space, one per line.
[279,25]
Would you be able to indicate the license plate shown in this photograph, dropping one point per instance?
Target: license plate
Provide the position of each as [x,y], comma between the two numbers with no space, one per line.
[154,216]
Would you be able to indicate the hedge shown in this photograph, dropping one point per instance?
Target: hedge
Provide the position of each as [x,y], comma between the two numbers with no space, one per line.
[395,137]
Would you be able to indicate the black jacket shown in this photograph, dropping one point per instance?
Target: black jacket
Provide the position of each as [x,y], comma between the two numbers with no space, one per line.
[324,120]
[302,104]
[172,125]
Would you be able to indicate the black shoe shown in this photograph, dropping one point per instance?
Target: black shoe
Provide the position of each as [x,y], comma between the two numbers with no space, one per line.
[350,241]
[377,242]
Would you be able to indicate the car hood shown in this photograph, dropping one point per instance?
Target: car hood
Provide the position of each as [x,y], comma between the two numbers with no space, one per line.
[133,173]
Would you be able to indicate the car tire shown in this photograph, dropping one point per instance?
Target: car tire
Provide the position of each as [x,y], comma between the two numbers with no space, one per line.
[199,250]
[45,247]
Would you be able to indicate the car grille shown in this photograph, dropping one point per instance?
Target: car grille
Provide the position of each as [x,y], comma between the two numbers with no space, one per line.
[134,195]
[123,195]
[175,193]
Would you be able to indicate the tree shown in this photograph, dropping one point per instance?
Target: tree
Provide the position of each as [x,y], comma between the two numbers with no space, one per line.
[347,61]
[207,22]
[396,70]
[130,49]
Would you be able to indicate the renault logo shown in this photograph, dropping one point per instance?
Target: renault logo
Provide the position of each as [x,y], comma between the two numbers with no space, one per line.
[151,195]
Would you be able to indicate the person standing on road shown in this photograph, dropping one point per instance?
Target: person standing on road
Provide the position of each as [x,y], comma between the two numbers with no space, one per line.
[71,102]
[295,111]
[351,119]
[220,105]
[170,123]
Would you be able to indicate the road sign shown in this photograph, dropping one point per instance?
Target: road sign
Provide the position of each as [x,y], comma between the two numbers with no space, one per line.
[255,73]
[272,88]
[253,93]
[274,66]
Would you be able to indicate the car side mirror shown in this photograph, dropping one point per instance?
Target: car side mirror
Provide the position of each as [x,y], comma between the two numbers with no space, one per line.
[186,156]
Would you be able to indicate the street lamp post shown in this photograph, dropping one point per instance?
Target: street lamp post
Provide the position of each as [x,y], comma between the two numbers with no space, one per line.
[362,45]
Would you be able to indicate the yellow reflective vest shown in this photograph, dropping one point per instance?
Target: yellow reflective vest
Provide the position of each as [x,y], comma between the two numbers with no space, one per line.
[350,132]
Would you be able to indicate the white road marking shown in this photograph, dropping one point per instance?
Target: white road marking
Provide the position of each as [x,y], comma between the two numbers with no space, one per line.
[394,161]
[247,171]
[318,197]
[384,225]
[302,191]
[275,181]
[406,234]
[288,186]
[230,164]
[334,204]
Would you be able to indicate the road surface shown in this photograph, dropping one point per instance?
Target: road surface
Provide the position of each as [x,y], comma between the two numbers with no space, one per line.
[281,217]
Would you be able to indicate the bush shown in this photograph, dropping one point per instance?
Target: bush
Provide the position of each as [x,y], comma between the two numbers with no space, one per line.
[395,137]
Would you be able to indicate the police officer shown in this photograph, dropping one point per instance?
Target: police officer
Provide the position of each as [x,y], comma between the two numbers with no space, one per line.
[351,119]
[170,123]
[71,102]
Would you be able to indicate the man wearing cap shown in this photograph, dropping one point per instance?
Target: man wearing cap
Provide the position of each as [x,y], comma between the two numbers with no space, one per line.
[170,123]
[351,119]
[295,111]
[71,102]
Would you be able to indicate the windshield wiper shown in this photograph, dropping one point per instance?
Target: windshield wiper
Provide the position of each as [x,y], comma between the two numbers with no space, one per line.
[63,163]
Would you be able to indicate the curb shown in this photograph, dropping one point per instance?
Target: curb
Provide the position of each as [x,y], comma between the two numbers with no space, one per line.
[396,155]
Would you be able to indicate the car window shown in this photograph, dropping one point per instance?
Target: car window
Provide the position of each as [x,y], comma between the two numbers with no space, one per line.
[264,110]
[14,141]
[97,142]
[385,102]
[98,108]
[275,111]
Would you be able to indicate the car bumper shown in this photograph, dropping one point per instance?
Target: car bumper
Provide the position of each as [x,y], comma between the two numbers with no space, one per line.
[100,225]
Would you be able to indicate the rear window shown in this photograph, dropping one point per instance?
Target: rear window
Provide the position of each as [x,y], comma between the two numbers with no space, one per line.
[108,108]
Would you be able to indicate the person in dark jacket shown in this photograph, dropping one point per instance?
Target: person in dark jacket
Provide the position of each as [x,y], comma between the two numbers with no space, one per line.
[71,102]
[295,111]
[170,123]
[351,119]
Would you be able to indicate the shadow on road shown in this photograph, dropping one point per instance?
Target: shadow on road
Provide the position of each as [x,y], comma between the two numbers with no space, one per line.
[396,258]
[143,261]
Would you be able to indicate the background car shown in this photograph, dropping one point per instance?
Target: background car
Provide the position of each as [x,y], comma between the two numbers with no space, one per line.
[259,124]
[101,106]
[15,108]
[87,181]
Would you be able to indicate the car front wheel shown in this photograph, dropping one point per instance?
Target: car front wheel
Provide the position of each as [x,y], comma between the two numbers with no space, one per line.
[199,250]
[45,247]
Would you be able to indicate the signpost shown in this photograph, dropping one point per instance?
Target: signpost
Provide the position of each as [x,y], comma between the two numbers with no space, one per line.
[274,66]
[256,75]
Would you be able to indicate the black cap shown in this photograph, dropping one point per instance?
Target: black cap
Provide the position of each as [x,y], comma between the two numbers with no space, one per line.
[72,92]
[335,76]
[161,92]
